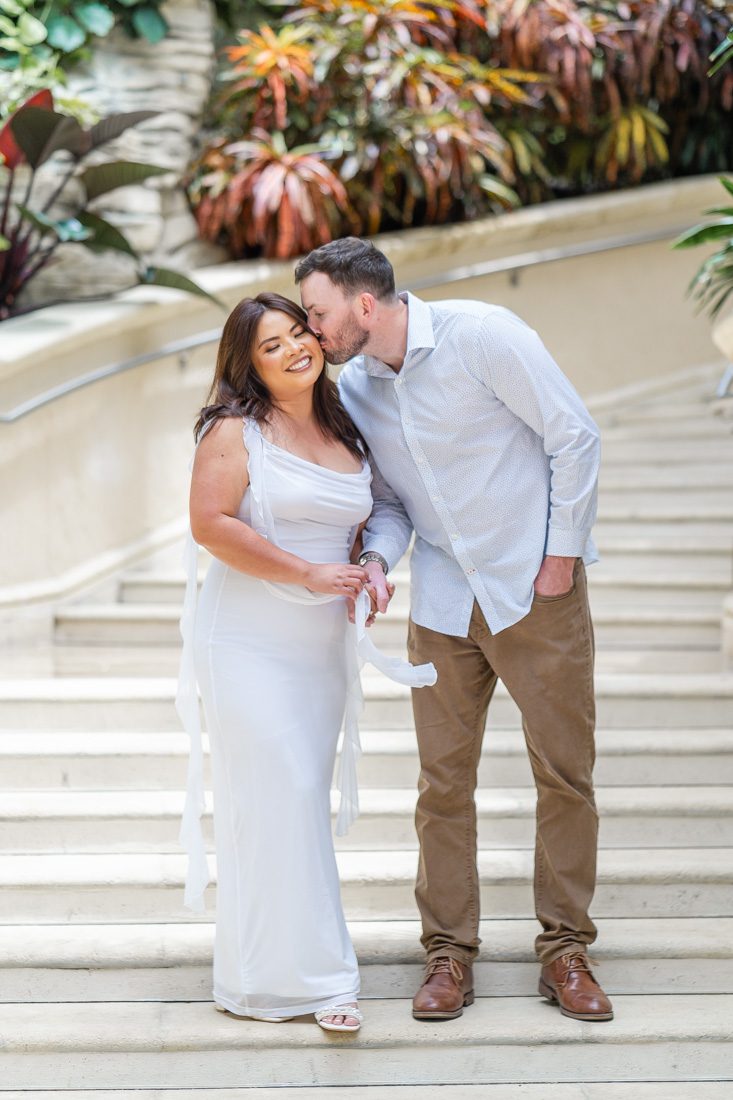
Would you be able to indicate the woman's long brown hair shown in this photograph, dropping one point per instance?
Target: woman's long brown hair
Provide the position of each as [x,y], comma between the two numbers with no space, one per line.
[238,390]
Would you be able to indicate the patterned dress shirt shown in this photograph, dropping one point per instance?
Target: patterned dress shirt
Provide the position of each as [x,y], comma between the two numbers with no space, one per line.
[481,446]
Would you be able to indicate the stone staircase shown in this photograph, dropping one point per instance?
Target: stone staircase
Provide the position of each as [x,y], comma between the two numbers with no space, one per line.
[105,978]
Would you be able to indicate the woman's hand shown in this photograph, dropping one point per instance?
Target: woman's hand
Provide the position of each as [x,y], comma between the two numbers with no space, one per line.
[342,579]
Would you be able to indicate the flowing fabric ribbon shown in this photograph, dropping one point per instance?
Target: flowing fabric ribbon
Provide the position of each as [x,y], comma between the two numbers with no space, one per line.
[187,705]
[359,650]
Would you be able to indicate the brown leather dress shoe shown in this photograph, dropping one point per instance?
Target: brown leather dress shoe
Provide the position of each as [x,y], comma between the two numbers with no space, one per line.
[447,988]
[569,981]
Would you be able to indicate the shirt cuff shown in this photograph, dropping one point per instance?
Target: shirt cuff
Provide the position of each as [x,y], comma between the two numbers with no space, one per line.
[388,548]
[566,544]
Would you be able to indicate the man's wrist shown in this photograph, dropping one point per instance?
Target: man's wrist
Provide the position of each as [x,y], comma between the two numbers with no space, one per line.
[372,555]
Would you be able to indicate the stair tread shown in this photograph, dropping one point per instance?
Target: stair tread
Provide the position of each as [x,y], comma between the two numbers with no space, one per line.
[490,802]
[602,613]
[520,1021]
[101,688]
[166,870]
[604,1090]
[617,742]
[383,941]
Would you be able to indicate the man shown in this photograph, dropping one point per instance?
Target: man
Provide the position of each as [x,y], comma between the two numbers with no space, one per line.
[491,458]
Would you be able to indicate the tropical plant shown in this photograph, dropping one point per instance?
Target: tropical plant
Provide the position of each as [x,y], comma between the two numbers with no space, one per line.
[630,97]
[376,88]
[722,54]
[33,73]
[63,28]
[32,230]
[433,110]
[263,194]
[712,284]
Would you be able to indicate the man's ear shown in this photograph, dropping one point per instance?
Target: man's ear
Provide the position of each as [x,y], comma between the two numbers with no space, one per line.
[366,305]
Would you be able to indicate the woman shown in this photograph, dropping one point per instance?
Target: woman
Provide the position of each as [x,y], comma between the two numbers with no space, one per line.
[280,486]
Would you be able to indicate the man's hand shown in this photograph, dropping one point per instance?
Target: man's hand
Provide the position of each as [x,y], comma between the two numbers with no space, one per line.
[555,577]
[379,588]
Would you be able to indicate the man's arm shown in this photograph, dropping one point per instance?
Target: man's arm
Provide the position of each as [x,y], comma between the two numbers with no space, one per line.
[389,528]
[525,377]
[388,532]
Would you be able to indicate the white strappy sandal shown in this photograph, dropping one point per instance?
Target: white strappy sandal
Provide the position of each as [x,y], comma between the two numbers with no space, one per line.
[347,1010]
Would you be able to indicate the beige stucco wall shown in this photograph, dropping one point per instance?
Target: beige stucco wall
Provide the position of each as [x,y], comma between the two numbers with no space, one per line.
[99,476]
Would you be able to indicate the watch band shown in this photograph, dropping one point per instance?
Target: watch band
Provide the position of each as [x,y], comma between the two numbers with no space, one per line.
[372,555]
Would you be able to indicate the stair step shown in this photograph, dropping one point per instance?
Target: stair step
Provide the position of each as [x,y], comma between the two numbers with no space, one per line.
[100,760]
[691,882]
[718,501]
[654,616]
[637,1090]
[697,652]
[676,414]
[520,1039]
[698,428]
[690,533]
[688,550]
[167,962]
[675,476]
[622,447]
[146,703]
[148,821]
[657,509]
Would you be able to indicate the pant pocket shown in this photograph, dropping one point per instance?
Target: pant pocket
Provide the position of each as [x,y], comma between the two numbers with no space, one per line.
[554,599]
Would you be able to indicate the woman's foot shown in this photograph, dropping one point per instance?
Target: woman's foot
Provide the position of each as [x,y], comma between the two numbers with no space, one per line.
[338,1018]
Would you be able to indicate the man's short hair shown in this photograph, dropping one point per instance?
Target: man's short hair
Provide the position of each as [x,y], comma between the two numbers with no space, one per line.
[351,264]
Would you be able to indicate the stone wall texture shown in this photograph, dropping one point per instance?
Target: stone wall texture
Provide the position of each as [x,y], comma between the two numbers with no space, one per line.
[173,77]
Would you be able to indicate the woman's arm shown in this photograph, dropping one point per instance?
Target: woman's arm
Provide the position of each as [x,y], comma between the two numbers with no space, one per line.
[218,483]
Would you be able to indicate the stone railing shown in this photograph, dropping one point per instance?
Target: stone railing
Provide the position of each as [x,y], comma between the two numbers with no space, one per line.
[723,337]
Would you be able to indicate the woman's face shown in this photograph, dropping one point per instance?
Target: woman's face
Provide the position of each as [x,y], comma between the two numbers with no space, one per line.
[286,355]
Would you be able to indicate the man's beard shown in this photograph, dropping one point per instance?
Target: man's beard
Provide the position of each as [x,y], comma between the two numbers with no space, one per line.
[349,341]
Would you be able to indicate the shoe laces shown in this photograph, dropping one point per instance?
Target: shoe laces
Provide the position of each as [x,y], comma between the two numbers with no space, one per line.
[444,964]
[572,963]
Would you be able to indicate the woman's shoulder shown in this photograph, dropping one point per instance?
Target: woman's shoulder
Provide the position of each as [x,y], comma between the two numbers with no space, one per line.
[223,431]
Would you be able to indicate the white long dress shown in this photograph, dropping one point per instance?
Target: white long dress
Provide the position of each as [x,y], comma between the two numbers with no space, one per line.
[277,668]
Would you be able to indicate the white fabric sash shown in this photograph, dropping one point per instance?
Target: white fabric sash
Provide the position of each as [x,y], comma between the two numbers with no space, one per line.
[360,650]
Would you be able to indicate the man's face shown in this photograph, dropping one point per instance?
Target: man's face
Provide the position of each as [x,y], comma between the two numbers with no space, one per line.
[333,318]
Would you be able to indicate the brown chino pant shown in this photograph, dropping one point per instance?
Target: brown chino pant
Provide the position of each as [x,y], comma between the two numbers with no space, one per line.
[546,663]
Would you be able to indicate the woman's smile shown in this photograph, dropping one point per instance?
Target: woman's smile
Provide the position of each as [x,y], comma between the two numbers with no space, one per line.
[301,365]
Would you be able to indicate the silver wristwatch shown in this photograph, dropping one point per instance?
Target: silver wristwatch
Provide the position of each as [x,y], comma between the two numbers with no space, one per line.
[372,555]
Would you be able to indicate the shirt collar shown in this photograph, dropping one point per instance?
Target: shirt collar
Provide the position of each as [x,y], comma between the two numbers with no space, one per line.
[420,336]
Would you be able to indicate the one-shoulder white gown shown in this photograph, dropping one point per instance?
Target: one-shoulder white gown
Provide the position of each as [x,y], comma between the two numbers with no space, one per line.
[274,665]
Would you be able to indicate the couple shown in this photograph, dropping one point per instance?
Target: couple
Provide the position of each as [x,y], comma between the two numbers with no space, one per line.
[450,420]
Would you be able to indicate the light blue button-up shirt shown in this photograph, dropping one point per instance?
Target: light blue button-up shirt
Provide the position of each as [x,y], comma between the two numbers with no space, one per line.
[482,446]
